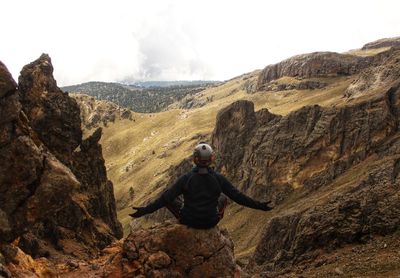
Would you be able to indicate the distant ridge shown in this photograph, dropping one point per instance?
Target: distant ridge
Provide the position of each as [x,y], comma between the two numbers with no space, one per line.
[143,96]
[148,84]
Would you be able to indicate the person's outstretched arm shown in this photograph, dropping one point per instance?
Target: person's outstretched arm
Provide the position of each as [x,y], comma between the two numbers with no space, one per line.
[229,190]
[167,197]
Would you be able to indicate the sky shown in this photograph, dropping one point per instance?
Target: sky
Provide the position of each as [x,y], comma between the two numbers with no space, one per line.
[126,40]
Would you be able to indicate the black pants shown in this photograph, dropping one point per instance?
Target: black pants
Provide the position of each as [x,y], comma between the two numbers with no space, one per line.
[176,206]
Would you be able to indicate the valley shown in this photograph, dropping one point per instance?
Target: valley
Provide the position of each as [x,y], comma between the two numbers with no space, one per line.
[140,155]
[317,135]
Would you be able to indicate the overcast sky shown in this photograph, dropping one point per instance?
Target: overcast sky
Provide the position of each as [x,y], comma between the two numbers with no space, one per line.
[182,40]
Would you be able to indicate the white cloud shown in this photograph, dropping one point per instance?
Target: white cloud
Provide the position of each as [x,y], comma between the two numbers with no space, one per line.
[166,39]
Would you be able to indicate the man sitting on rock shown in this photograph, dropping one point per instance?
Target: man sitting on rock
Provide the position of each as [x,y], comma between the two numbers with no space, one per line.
[203,205]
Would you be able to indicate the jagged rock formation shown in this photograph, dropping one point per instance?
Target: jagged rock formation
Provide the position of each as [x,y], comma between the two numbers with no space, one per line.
[94,112]
[342,165]
[388,42]
[51,113]
[54,190]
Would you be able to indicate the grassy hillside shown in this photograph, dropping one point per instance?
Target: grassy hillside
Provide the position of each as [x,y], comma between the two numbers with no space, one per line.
[139,153]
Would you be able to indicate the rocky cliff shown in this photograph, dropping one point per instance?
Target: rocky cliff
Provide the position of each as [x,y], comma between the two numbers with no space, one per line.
[333,173]
[387,42]
[318,65]
[55,195]
[378,77]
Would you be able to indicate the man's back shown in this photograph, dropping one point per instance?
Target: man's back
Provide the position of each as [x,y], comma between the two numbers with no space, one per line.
[200,193]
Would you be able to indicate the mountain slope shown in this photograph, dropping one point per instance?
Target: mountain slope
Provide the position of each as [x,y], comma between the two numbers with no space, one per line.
[142,163]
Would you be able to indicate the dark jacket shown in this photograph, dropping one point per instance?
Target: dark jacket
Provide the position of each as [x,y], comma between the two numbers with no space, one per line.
[201,193]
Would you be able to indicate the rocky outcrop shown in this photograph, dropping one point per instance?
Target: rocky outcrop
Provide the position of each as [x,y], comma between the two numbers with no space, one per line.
[99,112]
[388,42]
[300,85]
[51,113]
[173,250]
[54,190]
[269,155]
[164,250]
[341,164]
[365,207]
[376,78]
[318,64]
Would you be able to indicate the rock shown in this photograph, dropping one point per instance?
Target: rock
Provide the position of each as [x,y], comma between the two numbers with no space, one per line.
[51,193]
[72,264]
[29,244]
[268,155]
[174,250]
[382,76]
[387,42]
[317,64]
[7,83]
[348,155]
[301,85]
[8,252]
[338,271]
[366,206]
[52,113]
[4,272]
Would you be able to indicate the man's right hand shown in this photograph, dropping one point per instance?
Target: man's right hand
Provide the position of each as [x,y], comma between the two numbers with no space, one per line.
[140,211]
[265,206]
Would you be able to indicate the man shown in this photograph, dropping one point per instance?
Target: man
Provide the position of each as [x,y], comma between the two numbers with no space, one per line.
[203,205]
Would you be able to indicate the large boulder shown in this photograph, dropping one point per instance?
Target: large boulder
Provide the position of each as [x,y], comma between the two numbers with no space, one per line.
[174,250]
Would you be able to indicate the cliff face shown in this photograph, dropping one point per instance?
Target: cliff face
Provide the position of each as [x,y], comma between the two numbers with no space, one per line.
[334,171]
[388,42]
[318,64]
[376,78]
[54,190]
